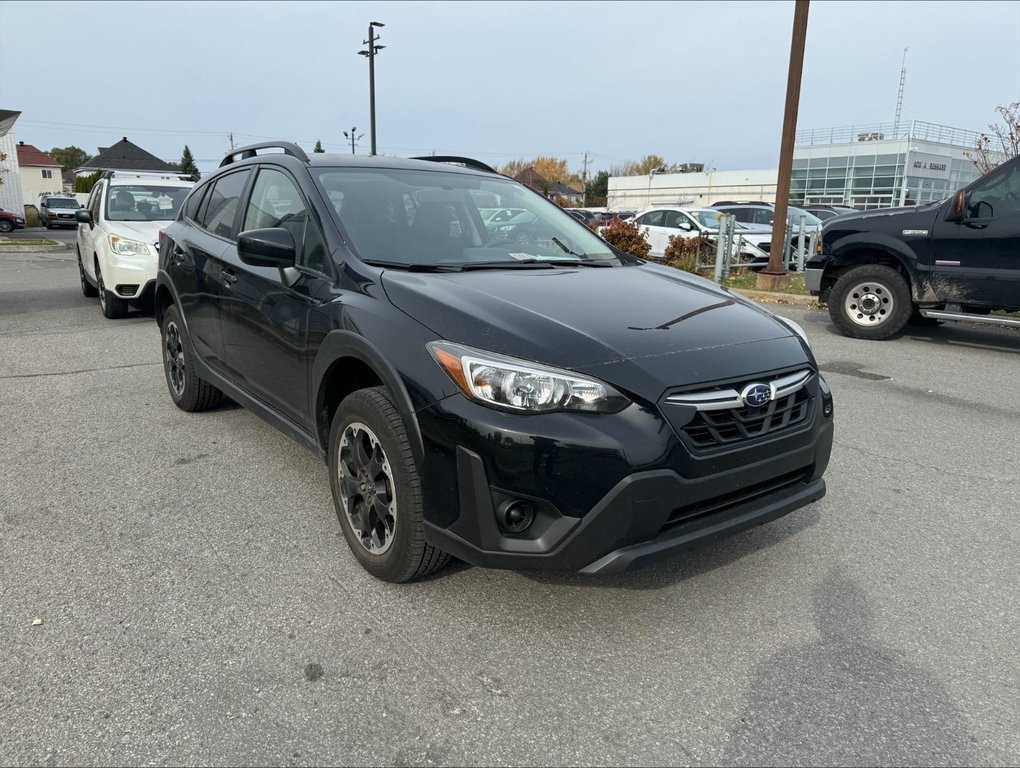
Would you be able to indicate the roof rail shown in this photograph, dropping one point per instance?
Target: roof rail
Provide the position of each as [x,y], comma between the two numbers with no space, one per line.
[289,148]
[466,161]
[144,174]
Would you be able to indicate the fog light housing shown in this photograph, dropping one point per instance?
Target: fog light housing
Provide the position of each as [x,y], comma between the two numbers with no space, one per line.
[515,516]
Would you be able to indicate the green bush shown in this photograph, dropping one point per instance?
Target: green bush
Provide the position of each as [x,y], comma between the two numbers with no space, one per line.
[628,237]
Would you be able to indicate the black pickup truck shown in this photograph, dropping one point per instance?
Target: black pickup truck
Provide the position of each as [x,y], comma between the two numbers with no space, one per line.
[958,259]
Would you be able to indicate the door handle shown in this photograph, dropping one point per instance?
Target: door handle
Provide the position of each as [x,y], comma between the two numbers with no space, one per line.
[229,277]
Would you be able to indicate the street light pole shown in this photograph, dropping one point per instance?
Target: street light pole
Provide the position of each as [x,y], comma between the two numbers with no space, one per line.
[371,52]
[353,138]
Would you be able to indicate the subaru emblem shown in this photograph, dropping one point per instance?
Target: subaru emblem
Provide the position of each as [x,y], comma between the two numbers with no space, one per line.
[756,395]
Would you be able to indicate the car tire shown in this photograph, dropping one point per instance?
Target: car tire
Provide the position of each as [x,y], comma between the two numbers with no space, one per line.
[87,289]
[871,301]
[6,226]
[189,391]
[377,489]
[113,306]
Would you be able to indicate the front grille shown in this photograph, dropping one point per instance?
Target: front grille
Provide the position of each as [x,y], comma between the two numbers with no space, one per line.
[127,290]
[721,504]
[723,417]
[722,427]
[65,215]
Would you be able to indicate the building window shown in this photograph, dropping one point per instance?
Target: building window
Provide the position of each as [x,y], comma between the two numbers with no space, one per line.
[47,174]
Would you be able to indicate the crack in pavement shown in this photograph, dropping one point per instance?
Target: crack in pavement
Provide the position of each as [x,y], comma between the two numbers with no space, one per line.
[71,373]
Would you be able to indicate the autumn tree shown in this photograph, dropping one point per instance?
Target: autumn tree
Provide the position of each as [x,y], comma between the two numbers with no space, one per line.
[989,153]
[69,157]
[550,168]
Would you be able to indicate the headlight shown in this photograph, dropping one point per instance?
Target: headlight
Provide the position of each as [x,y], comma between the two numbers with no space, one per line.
[795,328]
[125,247]
[521,386]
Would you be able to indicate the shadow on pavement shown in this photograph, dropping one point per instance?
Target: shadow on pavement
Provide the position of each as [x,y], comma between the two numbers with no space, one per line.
[845,699]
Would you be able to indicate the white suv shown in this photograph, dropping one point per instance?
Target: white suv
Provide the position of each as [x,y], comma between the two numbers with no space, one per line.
[118,236]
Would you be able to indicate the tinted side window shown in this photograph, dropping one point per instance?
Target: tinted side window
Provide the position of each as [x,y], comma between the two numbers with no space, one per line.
[672,219]
[220,210]
[741,214]
[97,195]
[190,210]
[997,197]
[762,217]
[276,202]
[652,219]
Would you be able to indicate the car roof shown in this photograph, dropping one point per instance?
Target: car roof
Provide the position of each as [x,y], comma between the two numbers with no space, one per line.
[325,160]
[135,181]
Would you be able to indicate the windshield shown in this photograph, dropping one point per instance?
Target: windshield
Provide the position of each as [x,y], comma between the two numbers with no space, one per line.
[793,216]
[432,218]
[708,219]
[144,202]
[61,202]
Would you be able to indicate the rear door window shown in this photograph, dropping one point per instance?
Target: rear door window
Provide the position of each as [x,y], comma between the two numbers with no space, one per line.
[219,210]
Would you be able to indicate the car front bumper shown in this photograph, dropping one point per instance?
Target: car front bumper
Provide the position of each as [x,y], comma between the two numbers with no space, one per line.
[599,508]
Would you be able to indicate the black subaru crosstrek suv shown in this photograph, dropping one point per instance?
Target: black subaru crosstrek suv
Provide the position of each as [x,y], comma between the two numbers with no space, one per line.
[552,404]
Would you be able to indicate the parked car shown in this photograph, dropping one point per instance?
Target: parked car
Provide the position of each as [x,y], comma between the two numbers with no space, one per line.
[117,245]
[761,216]
[58,211]
[10,221]
[611,217]
[661,223]
[826,212]
[556,405]
[954,260]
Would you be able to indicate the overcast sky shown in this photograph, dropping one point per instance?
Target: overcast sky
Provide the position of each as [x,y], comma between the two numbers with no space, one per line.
[691,81]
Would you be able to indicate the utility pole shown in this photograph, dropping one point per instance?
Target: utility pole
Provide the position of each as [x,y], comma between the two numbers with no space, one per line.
[774,276]
[584,182]
[371,52]
[352,138]
[231,142]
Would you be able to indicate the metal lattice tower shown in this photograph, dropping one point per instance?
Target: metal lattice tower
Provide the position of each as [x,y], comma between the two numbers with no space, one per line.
[899,96]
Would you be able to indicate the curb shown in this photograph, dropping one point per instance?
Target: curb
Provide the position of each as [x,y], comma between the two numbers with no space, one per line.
[768,297]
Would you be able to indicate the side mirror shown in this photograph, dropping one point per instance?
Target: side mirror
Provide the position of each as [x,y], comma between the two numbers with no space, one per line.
[685,225]
[271,247]
[83,216]
[958,208]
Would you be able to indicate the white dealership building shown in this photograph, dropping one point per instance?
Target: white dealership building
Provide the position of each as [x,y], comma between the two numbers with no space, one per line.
[871,166]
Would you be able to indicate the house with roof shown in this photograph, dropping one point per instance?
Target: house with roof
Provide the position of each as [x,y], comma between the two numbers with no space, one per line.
[529,177]
[40,174]
[123,156]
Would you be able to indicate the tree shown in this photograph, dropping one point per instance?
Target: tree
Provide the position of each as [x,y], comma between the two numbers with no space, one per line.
[550,168]
[597,190]
[69,157]
[986,154]
[187,165]
[318,146]
[85,183]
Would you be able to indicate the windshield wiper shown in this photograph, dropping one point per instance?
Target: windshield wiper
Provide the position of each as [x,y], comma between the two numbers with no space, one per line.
[511,264]
[414,267]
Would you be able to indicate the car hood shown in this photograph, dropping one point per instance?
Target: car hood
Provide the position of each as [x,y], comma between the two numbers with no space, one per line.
[642,328]
[145,231]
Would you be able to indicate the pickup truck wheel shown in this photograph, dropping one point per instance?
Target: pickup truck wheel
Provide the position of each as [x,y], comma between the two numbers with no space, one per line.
[87,289]
[377,489]
[188,391]
[870,302]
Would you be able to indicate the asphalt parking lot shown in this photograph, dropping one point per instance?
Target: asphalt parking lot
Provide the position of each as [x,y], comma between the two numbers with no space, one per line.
[200,606]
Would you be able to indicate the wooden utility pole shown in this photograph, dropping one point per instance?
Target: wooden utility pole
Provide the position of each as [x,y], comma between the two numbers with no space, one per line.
[774,276]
